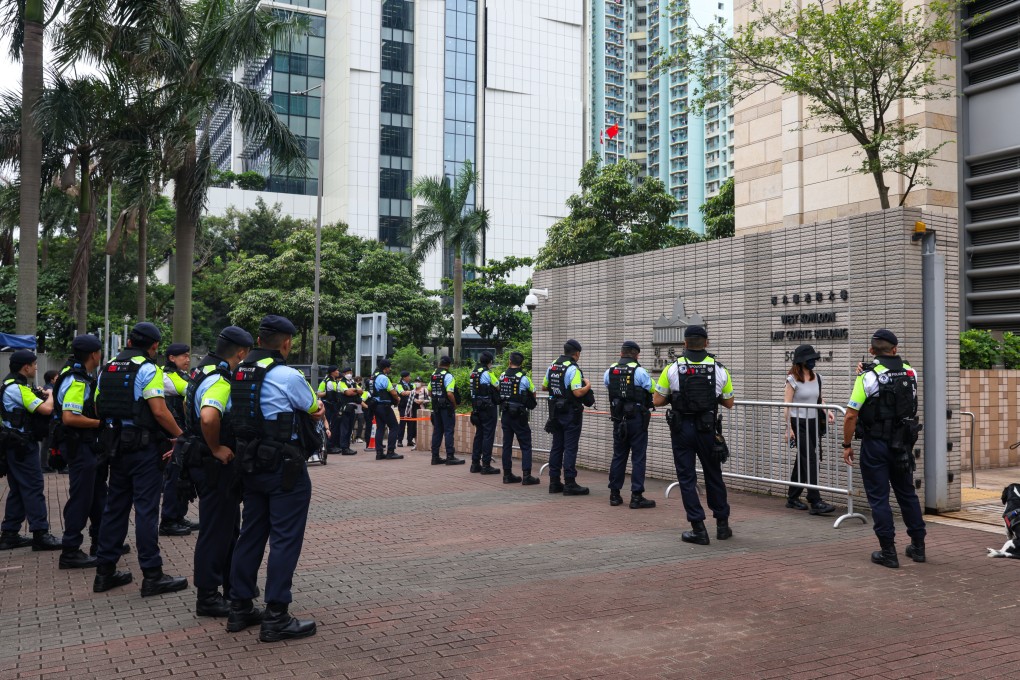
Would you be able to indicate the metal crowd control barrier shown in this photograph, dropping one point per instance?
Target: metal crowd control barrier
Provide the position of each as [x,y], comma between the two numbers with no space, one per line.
[973,473]
[760,452]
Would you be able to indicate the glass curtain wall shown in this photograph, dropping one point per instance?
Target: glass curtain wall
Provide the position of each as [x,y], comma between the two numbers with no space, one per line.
[461,89]
[396,121]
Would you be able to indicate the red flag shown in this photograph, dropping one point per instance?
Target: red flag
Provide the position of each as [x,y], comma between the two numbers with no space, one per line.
[613,131]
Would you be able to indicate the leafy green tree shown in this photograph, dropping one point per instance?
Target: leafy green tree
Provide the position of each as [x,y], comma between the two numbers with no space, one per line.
[445,221]
[718,213]
[615,214]
[491,303]
[978,349]
[409,358]
[1011,350]
[856,61]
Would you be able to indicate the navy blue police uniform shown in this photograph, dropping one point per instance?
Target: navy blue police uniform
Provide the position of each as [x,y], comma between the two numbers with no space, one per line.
[444,415]
[630,396]
[385,421]
[484,415]
[517,396]
[566,417]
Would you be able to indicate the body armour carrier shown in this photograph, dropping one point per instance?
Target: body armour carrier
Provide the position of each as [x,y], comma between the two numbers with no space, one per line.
[557,380]
[437,387]
[246,402]
[482,393]
[342,399]
[34,426]
[60,433]
[510,388]
[332,395]
[116,391]
[192,423]
[696,388]
[175,402]
[891,415]
[622,387]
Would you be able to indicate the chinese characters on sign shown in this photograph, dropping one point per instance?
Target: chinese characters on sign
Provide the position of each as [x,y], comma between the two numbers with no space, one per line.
[793,323]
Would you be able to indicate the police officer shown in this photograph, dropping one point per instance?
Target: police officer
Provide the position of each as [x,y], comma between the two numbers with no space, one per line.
[75,409]
[350,398]
[25,415]
[406,391]
[882,413]
[569,392]
[329,391]
[272,407]
[175,385]
[385,395]
[630,395]
[213,470]
[442,387]
[694,386]
[134,415]
[517,395]
[484,414]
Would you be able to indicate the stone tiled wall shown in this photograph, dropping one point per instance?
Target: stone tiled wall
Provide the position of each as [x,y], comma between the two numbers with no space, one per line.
[992,396]
[731,283]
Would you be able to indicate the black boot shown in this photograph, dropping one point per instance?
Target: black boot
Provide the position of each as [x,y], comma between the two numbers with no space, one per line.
[887,555]
[380,456]
[242,615]
[9,540]
[278,625]
[510,478]
[555,485]
[722,529]
[489,470]
[454,460]
[698,534]
[108,577]
[155,582]
[44,540]
[173,528]
[76,559]
[639,502]
[915,550]
[615,498]
[529,480]
[393,455]
[211,603]
[820,507]
[475,467]
[438,460]
[348,452]
[572,488]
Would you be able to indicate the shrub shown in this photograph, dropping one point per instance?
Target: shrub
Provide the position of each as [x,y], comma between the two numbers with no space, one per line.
[1011,350]
[978,349]
[408,358]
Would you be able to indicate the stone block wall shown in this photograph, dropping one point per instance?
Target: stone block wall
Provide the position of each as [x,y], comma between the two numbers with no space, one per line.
[994,398]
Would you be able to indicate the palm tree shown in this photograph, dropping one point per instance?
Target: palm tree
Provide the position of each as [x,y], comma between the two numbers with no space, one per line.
[444,220]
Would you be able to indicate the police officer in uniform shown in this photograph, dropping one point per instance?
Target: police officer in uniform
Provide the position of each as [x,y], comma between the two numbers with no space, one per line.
[211,467]
[694,386]
[442,387]
[175,385]
[403,408]
[517,396]
[134,415]
[569,392]
[350,398]
[630,395]
[25,416]
[329,392]
[883,413]
[385,395]
[272,408]
[484,414]
[78,428]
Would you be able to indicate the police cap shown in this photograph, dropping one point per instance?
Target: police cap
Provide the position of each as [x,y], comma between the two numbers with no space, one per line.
[22,357]
[385,363]
[177,348]
[331,368]
[277,324]
[347,369]
[695,332]
[486,358]
[445,361]
[887,335]
[148,331]
[631,345]
[237,336]
[405,374]
[86,343]
[571,345]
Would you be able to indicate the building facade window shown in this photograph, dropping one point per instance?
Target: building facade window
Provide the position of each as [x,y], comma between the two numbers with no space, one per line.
[396,131]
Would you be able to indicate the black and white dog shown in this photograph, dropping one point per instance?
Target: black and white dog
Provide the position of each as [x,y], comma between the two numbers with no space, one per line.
[1011,517]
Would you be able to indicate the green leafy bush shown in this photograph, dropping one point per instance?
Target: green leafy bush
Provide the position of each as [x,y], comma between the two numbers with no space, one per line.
[408,358]
[978,349]
[1011,350]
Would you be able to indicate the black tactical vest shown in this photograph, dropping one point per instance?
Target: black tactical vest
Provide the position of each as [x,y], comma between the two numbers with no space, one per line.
[246,401]
[557,379]
[621,383]
[209,366]
[437,387]
[696,388]
[18,418]
[76,370]
[480,392]
[882,416]
[116,386]
[332,395]
[510,387]
[175,402]
[342,386]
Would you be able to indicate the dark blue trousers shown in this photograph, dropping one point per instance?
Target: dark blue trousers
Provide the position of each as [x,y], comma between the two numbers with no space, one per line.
[343,431]
[485,435]
[442,427]
[333,418]
[630,439]
[277,516]
[878,473]
[522,430]
[385,424]
[86,495]
[690,446]
[25,499]
[563,452]
[173,508]
[219,506]
[135,480]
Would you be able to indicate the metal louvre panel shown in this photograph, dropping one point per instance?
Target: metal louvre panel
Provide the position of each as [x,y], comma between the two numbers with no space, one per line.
[1003,46]
[995,283]
[983,307]
[992,236]
[982,214]
[1002,259]
[977,8]
[996,71]
[992,167]
[993,24]
[1000,188]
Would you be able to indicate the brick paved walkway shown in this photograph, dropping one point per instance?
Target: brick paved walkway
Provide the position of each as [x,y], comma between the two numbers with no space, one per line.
[430,572]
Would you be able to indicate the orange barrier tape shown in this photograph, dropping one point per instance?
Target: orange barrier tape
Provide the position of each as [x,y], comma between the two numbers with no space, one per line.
[468,415]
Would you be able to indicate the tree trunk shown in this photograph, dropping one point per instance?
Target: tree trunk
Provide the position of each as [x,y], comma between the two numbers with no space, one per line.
[83,251]
[143,256]
[458,304]
[883,190]
[30,170]
[185,225]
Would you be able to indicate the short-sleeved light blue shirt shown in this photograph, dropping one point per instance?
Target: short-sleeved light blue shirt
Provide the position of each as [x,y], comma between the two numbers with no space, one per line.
[20,397]
[383,385]
[79,397]
[207,381]
[285,390]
